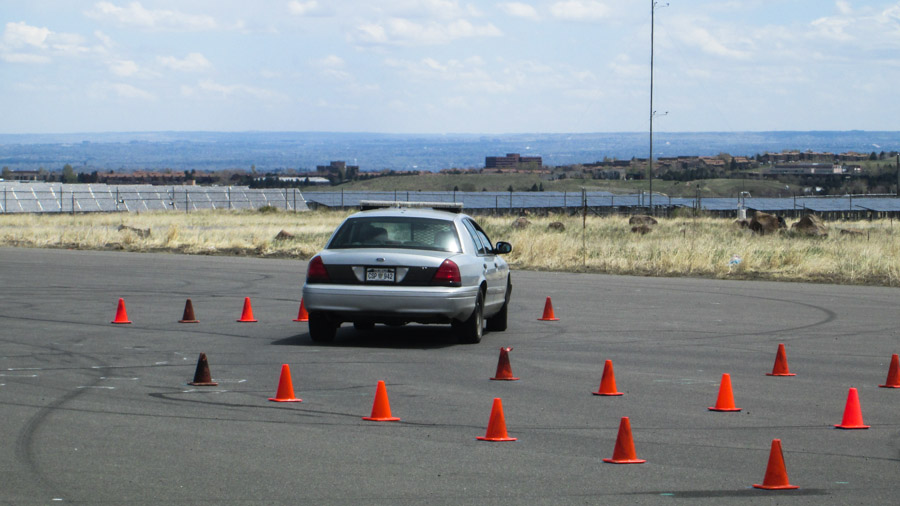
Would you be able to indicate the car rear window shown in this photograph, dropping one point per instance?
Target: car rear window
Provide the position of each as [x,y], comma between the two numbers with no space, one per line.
[397,232]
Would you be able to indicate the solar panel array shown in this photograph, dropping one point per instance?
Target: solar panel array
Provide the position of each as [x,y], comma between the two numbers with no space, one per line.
[57,197]
[33,197]
[531,200]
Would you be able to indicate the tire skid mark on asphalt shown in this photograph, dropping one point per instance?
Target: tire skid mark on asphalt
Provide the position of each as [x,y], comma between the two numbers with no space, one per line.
[106,325]
[26,441]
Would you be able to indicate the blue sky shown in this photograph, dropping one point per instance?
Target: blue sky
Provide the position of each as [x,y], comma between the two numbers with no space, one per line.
[447,66]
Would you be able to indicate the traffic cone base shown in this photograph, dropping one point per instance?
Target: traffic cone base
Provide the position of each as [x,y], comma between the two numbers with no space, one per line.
[496,430]
[781,366]
[202,377]
[504,370]
[607,381]
[893,377]
[725,401]
[121,314]
[624,452]
[285,387]
[381,408]
[302,315]
[548,312]
[776,476]
[247,313]
[188,316]
[853,418]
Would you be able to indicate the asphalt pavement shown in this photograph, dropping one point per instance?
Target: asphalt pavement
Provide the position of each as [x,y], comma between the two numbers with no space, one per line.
[98,413]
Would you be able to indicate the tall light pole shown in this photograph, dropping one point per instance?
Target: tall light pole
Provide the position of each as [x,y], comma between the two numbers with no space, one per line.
[653,4]
[650,160]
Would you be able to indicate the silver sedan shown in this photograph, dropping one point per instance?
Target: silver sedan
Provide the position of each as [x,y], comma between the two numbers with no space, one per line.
[397,265]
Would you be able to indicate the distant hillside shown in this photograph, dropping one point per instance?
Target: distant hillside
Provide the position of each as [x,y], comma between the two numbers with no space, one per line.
[272,151]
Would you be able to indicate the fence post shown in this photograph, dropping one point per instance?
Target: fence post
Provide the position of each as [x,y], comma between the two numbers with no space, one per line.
[187,205]
[60,198]
[295,200]
[73,203]
[5,205]
[229,198]
[117,198]
[285,200]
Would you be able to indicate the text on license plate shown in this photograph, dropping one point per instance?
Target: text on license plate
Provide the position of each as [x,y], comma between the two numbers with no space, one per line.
[380,274]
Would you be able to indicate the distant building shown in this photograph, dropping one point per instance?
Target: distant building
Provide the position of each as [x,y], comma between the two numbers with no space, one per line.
[145,177]
[26,175]
[338,171]
[512,161]
[805,169]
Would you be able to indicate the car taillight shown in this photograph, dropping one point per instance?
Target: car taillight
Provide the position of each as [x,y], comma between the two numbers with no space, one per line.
[316,272]
[447,274]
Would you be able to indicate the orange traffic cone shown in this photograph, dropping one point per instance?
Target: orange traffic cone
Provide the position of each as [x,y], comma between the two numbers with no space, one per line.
[381,408]
[496,430]
[202,378]
[608,381]
[504,370]
[893,377]
[781,365]
[776,476]
[548,312]
[725,401]
[247,313]
[285,387]
[302,316]
[853,418]
[624,453]
[121,314]
[188,316]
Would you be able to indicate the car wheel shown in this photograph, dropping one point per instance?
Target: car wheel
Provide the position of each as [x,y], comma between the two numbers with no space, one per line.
[321,329]
[471,330]
[497,323]
[364,325]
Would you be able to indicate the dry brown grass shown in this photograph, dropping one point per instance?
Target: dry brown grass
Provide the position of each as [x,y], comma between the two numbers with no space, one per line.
[699,247]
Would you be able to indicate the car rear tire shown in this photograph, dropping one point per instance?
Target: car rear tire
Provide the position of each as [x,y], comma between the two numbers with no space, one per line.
[364,325]
[497,323]
[321,329]
[472,330]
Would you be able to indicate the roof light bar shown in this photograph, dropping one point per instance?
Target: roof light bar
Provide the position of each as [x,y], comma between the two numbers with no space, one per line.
[452,207]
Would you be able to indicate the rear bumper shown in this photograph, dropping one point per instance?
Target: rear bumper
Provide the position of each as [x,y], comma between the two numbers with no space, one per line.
[382,304]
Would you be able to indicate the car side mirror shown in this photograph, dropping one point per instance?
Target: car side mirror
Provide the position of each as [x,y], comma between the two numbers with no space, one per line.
[502,248]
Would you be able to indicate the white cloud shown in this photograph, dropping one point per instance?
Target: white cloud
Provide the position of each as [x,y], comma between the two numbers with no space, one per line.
[24,58]
[332,66]
[105,39]
[330,61]
[20,34]
[193,62]
[159,19]
[404,32]
[209,88]
[23,43]
[520,10]
[843,7]
[103,91]
[699,37]
[832,28]
[580,10]
[469,74]
[123,68]
[309,8]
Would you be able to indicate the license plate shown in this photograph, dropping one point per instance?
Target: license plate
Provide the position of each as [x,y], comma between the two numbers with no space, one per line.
[380,274]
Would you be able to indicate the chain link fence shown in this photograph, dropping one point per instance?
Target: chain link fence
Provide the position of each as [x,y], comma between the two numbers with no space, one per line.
[84,198]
